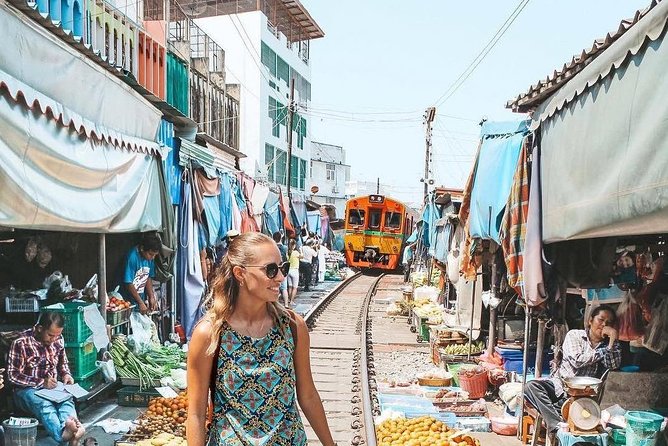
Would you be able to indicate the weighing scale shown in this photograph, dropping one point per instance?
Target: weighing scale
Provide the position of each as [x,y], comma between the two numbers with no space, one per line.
[581,411]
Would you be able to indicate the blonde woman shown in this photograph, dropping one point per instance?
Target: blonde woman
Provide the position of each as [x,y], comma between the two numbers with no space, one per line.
[254,356]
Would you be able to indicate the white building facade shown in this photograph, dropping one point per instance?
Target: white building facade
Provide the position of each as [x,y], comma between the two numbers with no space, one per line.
[329,174]
[260,58]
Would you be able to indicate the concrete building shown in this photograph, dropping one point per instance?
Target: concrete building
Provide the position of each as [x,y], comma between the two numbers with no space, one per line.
[266,45]
[329,174]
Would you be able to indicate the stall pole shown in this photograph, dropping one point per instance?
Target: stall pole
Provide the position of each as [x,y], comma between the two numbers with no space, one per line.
[492,314]
[540,342]
[475,280]
[527,337]
[102,276]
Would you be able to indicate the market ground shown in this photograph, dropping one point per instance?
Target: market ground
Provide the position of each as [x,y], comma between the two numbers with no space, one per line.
[107,407]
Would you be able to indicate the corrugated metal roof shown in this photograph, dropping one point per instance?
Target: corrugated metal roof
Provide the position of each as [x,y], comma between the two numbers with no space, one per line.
[544,88]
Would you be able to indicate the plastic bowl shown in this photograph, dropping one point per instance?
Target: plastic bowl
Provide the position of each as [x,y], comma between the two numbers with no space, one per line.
[630,368]
[504,425]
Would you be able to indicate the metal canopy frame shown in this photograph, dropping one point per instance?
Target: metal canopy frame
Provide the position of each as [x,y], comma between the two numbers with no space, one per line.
[289,17]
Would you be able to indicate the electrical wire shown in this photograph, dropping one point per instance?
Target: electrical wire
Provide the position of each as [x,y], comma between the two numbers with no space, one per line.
[481,55]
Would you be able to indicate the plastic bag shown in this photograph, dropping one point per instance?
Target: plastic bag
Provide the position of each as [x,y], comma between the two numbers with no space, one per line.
[144,332]
[107,367]
[629,316]
[656,333]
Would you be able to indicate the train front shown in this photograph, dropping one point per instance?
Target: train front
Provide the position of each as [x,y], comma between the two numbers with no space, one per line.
[374,232]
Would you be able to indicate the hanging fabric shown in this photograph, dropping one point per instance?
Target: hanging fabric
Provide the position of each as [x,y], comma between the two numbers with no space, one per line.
[164,263]
[225,203]
[272,214]
[532,264]
[285,207]
[190,292]
[258,199]
[513,224]
[468,263]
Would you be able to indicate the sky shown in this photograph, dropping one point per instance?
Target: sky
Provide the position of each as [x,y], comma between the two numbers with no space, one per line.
[383,62]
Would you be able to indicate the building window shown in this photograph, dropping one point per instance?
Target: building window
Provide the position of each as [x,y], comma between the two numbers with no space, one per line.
[302,174]
[269,161]
[331,172]
[268,57]
[294,172]
[107,38]
[115,58]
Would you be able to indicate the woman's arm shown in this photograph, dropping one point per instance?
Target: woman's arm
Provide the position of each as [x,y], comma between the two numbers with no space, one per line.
[307,394]
[199,381]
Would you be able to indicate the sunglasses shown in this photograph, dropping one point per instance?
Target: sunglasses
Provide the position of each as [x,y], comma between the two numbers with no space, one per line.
[272,269]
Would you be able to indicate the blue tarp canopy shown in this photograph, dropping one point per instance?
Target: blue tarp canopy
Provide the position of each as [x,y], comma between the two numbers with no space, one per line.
[494,171]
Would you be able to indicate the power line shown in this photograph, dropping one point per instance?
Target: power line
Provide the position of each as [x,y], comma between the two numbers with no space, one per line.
[482,54]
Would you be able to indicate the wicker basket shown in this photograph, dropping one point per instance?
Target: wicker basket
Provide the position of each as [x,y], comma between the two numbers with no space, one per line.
[435,382]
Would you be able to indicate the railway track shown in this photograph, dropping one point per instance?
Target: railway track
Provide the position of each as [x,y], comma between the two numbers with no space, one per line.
[342,361]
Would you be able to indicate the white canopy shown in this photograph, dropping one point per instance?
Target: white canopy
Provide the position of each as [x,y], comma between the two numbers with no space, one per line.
[604,141]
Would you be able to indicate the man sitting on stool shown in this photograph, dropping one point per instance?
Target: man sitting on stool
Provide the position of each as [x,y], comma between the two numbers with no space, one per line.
[37,360]
[587,352]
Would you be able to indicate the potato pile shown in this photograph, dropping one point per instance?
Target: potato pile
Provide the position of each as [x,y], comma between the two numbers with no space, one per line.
[421,431]
[164,415]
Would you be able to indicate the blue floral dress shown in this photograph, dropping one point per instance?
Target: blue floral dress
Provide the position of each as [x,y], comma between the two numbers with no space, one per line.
[254,400]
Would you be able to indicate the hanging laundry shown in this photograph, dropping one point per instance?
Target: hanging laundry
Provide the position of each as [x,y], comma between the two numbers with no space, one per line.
[213,219]
[272,214]
[258,199]
[208,187]
[236,213]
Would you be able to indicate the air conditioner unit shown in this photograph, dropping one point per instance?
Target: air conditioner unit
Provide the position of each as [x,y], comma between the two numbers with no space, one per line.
[335,190]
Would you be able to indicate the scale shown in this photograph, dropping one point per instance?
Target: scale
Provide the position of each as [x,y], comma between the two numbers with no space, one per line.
[581,411]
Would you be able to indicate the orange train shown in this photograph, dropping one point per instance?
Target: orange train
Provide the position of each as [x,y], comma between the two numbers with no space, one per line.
[375,231]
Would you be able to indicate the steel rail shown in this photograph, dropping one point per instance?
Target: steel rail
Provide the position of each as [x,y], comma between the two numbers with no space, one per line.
[318,307]
[369,426]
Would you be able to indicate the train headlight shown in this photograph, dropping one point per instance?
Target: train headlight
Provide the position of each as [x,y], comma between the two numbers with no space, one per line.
[394,248]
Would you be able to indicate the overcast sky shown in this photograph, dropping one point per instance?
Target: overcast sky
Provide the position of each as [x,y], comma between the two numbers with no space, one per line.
[382,62]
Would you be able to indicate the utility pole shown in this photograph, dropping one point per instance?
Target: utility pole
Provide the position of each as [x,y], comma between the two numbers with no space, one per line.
[291,111]
[429,116]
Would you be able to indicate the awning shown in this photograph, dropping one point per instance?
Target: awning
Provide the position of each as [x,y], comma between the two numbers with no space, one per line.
[54,178]
[495,168]
[604,141]
[49,70]
[208,157]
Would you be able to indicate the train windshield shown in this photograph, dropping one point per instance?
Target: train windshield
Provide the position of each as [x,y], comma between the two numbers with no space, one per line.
[355,217]
[374,219]
[392,220]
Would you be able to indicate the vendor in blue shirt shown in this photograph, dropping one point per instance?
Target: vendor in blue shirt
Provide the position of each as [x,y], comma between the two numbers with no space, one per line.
[138,272]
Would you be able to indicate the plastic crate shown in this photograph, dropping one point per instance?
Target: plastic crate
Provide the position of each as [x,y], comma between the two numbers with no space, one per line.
[75,330]
[133,397]
[90,380]
[21,305]
[81,358]
[119,317]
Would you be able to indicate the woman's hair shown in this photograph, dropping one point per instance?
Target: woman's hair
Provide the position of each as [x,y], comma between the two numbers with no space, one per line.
[222,298]
[601,308]
[292,246]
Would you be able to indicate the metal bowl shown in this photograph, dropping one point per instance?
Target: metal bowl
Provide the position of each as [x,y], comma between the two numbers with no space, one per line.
[582,382]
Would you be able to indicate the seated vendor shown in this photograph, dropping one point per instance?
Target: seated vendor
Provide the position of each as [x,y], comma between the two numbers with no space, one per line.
[37,360]
[587,352]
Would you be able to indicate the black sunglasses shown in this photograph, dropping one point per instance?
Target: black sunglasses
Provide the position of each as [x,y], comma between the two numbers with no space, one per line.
[272,269]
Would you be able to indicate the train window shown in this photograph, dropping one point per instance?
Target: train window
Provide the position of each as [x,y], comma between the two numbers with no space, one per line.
[392,220]
[356,217]
[374,219]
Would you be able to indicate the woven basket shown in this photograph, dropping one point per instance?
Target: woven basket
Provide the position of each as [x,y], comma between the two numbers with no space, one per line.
[435,382]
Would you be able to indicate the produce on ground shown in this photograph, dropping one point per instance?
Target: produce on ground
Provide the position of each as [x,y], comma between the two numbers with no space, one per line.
[164,415]
[463,349]
[421,431]
[156,363]
[163,439]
